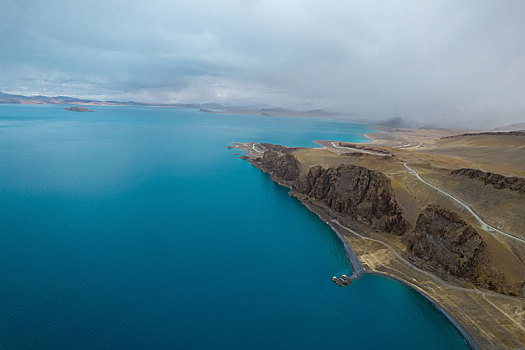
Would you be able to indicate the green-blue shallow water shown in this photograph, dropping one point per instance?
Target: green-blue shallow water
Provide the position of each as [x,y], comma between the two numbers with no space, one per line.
[135,228]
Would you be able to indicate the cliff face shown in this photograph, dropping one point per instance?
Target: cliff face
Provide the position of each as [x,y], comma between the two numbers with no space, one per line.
[282,166]
[358,193]
[444,243]
[352,191]
[441,242]
[496,180]
[442,238]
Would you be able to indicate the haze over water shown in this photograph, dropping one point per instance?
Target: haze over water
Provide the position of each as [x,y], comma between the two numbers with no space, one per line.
[135,228]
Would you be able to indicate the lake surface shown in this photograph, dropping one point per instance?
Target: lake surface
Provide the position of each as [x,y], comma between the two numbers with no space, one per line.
[135,228]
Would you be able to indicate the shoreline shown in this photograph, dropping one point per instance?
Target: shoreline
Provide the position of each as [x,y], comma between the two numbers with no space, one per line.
[353,260]
[464,334]
[356,265]
[358,269]
[483,317]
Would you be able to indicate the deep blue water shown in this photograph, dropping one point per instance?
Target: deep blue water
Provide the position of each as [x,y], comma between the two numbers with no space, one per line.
[135,228]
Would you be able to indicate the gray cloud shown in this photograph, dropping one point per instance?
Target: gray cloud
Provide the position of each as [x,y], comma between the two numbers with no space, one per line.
[434,62]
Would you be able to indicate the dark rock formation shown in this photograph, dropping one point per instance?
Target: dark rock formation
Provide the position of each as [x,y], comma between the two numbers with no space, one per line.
[496,180]
[442,242]
[358,193]
[351,191]
[490,133]
[281,166]
[278,148]
[364,148]
[444,239]
[78,109]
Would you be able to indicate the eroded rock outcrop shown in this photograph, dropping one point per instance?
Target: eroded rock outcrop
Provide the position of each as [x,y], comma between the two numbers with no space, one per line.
[444,243]
[281,166]
[443,238]
[489,133]
[498,181]
[441,242]
[354,192]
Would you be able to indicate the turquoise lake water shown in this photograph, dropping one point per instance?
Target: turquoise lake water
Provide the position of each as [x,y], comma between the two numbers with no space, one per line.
[135,228]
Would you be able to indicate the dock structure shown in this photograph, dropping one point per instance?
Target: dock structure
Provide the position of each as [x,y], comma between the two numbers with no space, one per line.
[344,280]
[357,267]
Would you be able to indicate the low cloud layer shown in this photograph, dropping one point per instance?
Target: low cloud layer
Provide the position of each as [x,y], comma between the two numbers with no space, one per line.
[440,63]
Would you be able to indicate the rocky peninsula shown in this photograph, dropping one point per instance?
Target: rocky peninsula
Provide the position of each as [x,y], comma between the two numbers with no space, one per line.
[395,203]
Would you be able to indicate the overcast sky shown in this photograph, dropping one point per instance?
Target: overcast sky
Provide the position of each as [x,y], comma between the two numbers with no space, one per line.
[432,61]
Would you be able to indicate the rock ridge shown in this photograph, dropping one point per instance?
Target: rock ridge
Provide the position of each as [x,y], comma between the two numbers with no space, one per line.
[357,193]
[441,241]
[498,181]
[447,245]
[352,191]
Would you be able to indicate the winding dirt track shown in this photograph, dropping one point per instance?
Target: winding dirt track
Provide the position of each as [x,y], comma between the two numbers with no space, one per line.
[429,274]
[484,225]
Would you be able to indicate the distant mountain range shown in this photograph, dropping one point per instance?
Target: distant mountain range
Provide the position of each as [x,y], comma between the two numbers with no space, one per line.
[210,107]
[21,99]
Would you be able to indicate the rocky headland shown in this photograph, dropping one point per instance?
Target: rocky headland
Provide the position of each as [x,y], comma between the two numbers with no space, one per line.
[354,192]
[440,242]
[402,228]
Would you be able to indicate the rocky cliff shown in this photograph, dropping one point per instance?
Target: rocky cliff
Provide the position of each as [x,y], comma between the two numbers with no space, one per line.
[355,192]
[444,243]
[441,242]
[496,180]
[282,166]
[351,191]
